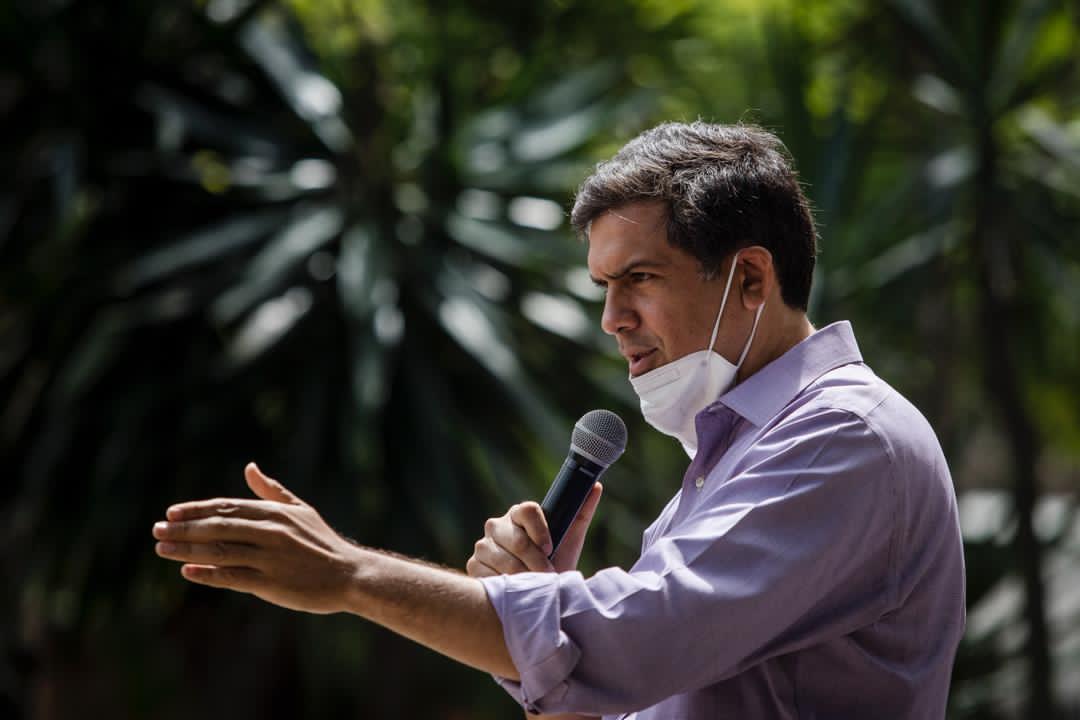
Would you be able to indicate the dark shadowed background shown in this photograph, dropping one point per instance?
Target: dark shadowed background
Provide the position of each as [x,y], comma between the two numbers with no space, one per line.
[331,236]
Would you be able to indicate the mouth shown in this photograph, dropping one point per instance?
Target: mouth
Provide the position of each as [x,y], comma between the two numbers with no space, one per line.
[640,362]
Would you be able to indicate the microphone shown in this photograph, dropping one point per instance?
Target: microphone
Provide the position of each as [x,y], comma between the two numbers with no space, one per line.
[598,440]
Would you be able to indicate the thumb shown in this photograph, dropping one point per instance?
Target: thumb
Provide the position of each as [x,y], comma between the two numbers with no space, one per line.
[268,488]
[588,508]
[566,557]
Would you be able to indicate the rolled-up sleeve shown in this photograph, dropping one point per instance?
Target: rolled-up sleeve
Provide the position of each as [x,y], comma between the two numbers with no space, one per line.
[528,605]
[791,546]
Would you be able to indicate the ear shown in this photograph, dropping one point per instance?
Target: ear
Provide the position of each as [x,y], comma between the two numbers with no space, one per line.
[758,277]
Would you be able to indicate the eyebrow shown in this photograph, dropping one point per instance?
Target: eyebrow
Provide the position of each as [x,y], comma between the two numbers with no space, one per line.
[630,267]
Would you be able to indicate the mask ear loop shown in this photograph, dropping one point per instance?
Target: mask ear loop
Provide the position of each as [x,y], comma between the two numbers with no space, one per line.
[723,303]
[757,316]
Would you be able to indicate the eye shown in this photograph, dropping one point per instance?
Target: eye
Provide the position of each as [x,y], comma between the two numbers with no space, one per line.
[640,277]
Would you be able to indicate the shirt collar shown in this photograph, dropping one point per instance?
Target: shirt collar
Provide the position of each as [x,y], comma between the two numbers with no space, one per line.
[761,396]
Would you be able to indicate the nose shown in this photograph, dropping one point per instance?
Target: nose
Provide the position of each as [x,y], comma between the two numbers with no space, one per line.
[619,314]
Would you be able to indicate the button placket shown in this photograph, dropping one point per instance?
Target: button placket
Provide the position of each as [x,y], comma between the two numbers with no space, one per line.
[715,427]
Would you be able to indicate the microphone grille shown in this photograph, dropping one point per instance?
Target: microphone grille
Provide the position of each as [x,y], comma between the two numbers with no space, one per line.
[599,435]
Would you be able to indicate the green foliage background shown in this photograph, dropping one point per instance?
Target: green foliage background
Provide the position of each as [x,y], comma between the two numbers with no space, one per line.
[331,236]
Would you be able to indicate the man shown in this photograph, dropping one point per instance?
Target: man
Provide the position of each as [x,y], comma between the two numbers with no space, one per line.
[810,565]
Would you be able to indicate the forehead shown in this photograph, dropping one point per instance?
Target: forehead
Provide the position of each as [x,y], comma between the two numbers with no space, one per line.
[630,233]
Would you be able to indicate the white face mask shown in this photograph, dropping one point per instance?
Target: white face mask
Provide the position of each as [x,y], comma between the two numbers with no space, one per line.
[673,394]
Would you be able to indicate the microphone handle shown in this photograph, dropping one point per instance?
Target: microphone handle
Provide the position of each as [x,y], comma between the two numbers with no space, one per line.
[567,494]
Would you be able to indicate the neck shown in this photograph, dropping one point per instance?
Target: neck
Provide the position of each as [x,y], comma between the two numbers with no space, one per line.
[775,336]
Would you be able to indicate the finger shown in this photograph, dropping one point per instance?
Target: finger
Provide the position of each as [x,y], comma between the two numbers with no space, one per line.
[225,507]
[233,578]
[530,517]
[219,553]
[496,558]
[513,539]
[476,569]
[268,488]
[216,529]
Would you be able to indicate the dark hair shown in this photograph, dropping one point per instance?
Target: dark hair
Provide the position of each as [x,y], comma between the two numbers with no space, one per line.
[725,186]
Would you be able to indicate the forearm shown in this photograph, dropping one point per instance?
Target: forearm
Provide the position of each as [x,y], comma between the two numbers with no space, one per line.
[446,611]
[443,610]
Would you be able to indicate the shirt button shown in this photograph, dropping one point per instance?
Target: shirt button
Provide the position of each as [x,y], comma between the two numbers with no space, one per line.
[700,482]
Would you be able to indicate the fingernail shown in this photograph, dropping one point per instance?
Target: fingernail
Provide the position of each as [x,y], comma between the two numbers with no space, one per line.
[166,547]
[161,526]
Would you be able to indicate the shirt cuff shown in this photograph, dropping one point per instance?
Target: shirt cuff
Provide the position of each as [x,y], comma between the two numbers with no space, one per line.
[528,606]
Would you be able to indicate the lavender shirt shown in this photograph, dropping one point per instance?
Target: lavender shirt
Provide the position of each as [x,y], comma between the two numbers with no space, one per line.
[810,567]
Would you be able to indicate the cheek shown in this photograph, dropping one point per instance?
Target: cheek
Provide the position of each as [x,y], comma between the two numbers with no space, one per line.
[682,342]
[682,331]
[669,328]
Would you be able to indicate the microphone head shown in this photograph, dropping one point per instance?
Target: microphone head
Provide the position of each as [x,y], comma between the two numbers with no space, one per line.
[599,435]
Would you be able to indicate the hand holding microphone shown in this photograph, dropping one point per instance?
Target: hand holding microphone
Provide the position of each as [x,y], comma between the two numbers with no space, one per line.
[549,537]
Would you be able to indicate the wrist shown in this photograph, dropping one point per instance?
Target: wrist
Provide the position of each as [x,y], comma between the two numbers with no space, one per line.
[358,577]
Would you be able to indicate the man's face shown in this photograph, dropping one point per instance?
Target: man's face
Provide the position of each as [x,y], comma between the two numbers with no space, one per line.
[658,306]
